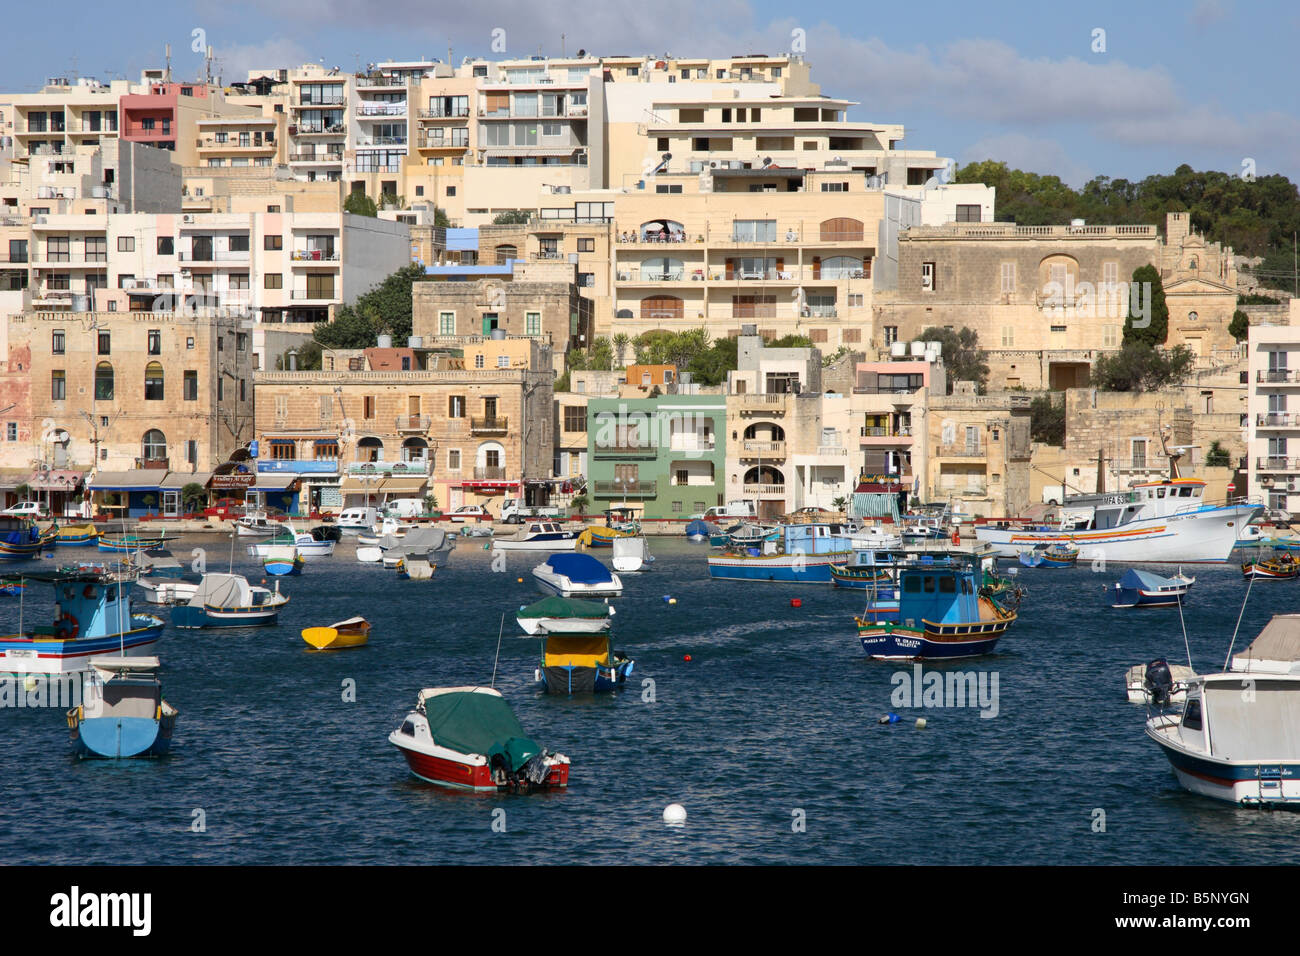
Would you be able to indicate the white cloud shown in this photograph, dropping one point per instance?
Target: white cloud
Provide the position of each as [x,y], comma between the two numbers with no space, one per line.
[234,62]
[1038,154]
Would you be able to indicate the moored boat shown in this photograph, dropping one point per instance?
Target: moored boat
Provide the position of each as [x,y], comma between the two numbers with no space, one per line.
[415,569]
[20,540]
[123,713]
[576,575]
[631,553]
[128,541]
[354,632]
[283,560]
[76,534]
[803,553]
[1144,589]
[228,600]
[1282,567]
[582,663]
[700,531]
[468,738]
[537,536]
[567,615]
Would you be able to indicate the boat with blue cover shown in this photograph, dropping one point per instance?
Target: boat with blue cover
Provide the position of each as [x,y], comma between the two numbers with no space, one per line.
[802,554]
[20,540]
[576,575]
[700,531]
[1144,589]
[93,617]
[941,612]
[122,713]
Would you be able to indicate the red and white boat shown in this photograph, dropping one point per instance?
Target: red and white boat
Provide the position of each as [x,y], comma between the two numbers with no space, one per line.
[468,738]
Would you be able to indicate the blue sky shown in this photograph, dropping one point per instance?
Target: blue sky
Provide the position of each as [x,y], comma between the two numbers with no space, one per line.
[1209,82]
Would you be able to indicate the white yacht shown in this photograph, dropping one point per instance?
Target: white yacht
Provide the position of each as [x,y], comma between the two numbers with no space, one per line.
[538,536]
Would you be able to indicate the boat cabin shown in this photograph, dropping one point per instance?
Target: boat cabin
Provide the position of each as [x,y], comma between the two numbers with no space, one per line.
[938,590]
[1152,499]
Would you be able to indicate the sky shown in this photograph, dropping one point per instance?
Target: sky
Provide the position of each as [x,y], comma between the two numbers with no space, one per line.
[1119,89]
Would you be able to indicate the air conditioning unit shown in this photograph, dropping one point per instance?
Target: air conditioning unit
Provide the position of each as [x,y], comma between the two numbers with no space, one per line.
[187,218]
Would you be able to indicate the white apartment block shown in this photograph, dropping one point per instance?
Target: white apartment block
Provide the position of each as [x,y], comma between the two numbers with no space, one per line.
[1273,413]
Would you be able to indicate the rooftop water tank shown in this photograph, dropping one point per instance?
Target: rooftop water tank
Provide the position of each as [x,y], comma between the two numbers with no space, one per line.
[498,334]
[385,341]
[918,349]
[415,342]
[935,346]
[898,350]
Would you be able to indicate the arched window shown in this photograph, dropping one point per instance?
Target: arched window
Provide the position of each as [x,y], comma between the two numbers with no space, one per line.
[764,431]
[153,382]
[104,382]
[154,446]
[505,253]
[842,229]
[370,449]
[661,307]
[415,449]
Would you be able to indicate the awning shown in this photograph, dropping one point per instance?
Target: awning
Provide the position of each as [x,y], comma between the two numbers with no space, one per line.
[385,486]
[142,479]
[490,485]
[274,481]
[56,480]
[179,479]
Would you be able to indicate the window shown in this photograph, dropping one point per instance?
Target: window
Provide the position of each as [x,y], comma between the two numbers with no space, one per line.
[1008,277]
[104,343]
[891,334]
[368,406]
[241,339]
[451,190]
[575,418]
[153,382]
[1192,715]
[456,406]
[586,245]
[273,280]
[453,459]
[58,385]
[155,341]
[126,243]
[154,446]
[668,188]
[189,341]
[272,243]
[1110,273]
[11,431]
[533,323]
[503,361]
[446,323]
[191,386]
[96,249]
[835,187]
[57,342]
[968,213]
[927,276]
[239,243]
[1110,336]
[478,360]
[166,245]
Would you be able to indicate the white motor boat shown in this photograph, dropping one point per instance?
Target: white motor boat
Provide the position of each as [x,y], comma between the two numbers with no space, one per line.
[631,554]
[257,525]
[1237,738]
[356,520]
[307,545]
[386,527]
[576,575]
[175,590]
[538,536]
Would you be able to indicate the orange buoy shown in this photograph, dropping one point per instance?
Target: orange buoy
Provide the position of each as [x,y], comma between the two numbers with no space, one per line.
[796,602]
[687,658]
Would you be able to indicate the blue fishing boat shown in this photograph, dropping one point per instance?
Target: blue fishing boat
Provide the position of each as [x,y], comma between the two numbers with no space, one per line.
[19,539]
[122,713]
[11,587]
[283,560]
[228,600]
[866,570]
[698,530]
[93,617]
[804,554]
[76,534]
[941,613]
[1144,589]
[128,542]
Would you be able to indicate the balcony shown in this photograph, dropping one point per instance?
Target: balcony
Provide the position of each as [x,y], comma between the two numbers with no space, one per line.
[832,451]
[334,129]
[388,82]
[369,111]
[417,466]
[751,448]
[765,491]
[625,490]
[213,255]
[299,467]
[1278,376]
[626,451]
[962,451]
[1277,463]
[310,295]
[312,156]
[965,491]
[461,113]
[413,423]
[374,141]
[876,436]
[1278,420]
[315,255]
[769,404]
[443,142]
[488,426]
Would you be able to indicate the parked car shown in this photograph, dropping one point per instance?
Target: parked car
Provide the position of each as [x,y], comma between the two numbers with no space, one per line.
[225,508]
[27,509]
[470,513]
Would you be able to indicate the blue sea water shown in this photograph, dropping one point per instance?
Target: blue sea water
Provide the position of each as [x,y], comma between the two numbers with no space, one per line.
[772,724]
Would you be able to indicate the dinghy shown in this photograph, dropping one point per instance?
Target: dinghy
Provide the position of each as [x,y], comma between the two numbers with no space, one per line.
[354,632]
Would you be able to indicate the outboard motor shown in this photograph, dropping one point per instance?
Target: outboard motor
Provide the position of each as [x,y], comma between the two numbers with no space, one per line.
[1159,682]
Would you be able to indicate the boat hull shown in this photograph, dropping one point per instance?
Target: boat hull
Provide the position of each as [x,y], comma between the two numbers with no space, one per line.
[115,738]
[574,679]
[909,644]
[25,551]
[536,544]
[1205,536]
[192,617]
[780,568]
[563,587]
[49,655]
[1239,782]
[467,775]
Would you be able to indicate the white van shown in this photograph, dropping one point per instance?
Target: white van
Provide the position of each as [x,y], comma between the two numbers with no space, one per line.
[731,510]
[404,507]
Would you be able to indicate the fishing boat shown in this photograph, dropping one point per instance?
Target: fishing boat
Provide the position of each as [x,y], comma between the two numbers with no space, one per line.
[1235,737]
[631,553]
[468,738]
[564,615]
[864,571]
[127,541]
[77,534]
[721,538]
[415,569]
[581,663]
[576,575]
[354,632]
[20,540]
[1159,680]
[1283,567]
[874,538]
[1059,556]
[745,535]
[155,563]
[699,531]
[283,560]
[537,536]
[256,524]
[326,532]
[802,553]
[356,520]
[93,617]
[924,528]
[1144,589]
[308,546]
[941,614]
[432,545]
[11,587]
[228,600]
[122,713]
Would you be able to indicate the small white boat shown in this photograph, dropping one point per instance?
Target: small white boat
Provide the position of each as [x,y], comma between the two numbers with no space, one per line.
[555,615]
[307,545]
[538,536]
[576,575]
[370,555]
[1139,689]
[228,600]
[387,527]
[631,554]
[177,590]
[356,520]
[257,525]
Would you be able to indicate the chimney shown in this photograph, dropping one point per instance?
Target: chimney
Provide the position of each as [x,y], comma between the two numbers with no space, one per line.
[293,360]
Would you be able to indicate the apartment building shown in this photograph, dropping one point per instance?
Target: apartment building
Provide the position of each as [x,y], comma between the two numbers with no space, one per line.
[1273,459]
[113,176]
[979,451]
[889,402]
[661,457]
[63,115]
[468,429]
[570,430]
[116,391]
[242,141]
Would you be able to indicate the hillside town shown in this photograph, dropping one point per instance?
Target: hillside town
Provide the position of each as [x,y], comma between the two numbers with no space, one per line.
[645,284]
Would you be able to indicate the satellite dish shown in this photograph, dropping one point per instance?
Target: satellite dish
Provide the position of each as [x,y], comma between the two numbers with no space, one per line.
[582,53]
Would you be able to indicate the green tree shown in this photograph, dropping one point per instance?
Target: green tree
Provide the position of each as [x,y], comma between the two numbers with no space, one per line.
[1140,367]
[1150,324]
[512,217]
[579,504]
[621,341]
[1047,420]
[309,357]
[792,341]
[359,204]
[1217,456]
[711,367]
[440,220]
[601,354]
[1239,327]
[193,497]
[963,359]
[385,308]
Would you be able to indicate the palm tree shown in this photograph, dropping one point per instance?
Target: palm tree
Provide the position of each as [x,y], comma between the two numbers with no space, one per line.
[621,341]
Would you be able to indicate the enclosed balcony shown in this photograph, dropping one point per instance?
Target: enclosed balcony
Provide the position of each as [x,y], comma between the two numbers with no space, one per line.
[497,425]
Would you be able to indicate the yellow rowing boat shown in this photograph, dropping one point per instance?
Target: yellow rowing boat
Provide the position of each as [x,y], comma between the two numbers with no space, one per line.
[354,632]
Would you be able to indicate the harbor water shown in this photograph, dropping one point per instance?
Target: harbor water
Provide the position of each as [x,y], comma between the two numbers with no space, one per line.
[768,735]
